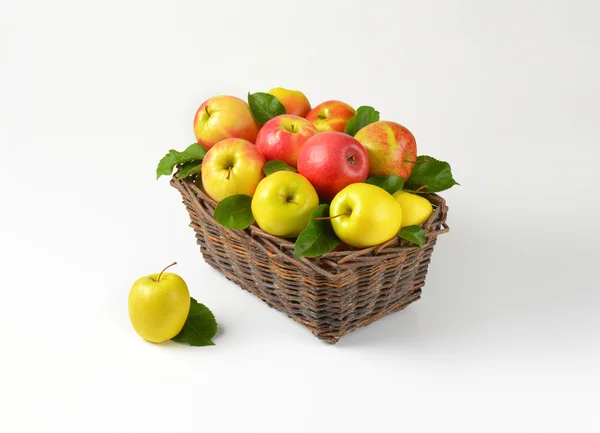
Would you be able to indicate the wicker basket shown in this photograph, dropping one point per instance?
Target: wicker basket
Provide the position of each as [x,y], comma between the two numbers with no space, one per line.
[331,295]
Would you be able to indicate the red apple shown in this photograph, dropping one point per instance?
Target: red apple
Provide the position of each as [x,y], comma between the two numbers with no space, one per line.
[282,137]
[331,161]
[331,116]
[391,147]
[223,117]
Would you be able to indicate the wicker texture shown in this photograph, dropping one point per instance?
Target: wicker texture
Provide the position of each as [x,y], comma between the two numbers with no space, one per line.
[331,295]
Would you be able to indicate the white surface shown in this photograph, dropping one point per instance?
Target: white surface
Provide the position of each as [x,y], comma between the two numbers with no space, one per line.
[507,334]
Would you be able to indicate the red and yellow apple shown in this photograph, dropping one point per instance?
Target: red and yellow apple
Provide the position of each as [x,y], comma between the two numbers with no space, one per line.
[294,101]
[224,117]
[331,116]
[232,166]
[283,136]
[331,161]
[283,203]
[391,147]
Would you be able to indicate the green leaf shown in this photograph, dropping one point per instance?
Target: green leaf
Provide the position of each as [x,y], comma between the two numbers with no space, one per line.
[391,183]
[194,152]
[199,327]
[430,175]
[235,212]
[318,237]
[414,234]
[364,116]
[264,106]
[189,168]
[271,167]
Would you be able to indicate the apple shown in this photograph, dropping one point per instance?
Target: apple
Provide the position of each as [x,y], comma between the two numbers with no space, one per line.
[232,166]
[391,147]
[159,305]
[223,117]
[283,202]
[364,215]
[415,209]
[331,161]
[331,116]
[282,137]
[294,101]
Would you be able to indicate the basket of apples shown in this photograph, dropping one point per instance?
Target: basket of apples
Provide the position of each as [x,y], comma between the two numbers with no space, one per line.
[327,214]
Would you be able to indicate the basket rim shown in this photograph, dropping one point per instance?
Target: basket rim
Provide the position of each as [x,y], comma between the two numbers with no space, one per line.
[340,261]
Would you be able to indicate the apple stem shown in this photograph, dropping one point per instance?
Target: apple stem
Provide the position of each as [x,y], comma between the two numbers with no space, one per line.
[286,198]
[228,173]
[292,127]
[161,272]
[206,109]
[416,191]
[332,217]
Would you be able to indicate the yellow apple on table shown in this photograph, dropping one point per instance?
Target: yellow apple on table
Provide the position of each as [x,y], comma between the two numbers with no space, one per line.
[364,215]
[223,117]
[283,202]
[158,306]
[415,209]
[232,166]
[294,101]
[331,116]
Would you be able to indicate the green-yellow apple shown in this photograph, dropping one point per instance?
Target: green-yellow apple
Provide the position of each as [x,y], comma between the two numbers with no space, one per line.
[282,137]
[415,209]
[283,202]
[331,116]
[223,117]
[364,215]
[294,101]
[232,166]
[158,306]
[391,147]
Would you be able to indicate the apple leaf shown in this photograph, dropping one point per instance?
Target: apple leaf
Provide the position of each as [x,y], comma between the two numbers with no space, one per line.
[430,175]
[235,212]
[189,168]
[318,237]
[414,234]
[199,327]
[364,116]
[271,167]
[391,183]
[264,106]
[194,152]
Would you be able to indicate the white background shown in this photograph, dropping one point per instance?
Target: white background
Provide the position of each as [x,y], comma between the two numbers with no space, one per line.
[507,334]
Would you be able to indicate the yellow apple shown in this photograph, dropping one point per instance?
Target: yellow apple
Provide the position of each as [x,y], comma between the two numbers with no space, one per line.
[415,209]
[283,202]
[232,166]
[158,306]
[364,215]
[223,117]
[294,101]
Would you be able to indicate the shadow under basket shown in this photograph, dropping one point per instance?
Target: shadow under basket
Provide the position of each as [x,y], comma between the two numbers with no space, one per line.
[331,295]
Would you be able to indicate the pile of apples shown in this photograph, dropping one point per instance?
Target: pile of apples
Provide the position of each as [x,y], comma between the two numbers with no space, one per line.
[320,163]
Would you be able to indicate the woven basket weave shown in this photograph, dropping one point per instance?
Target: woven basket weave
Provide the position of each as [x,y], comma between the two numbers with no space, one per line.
[331,295]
